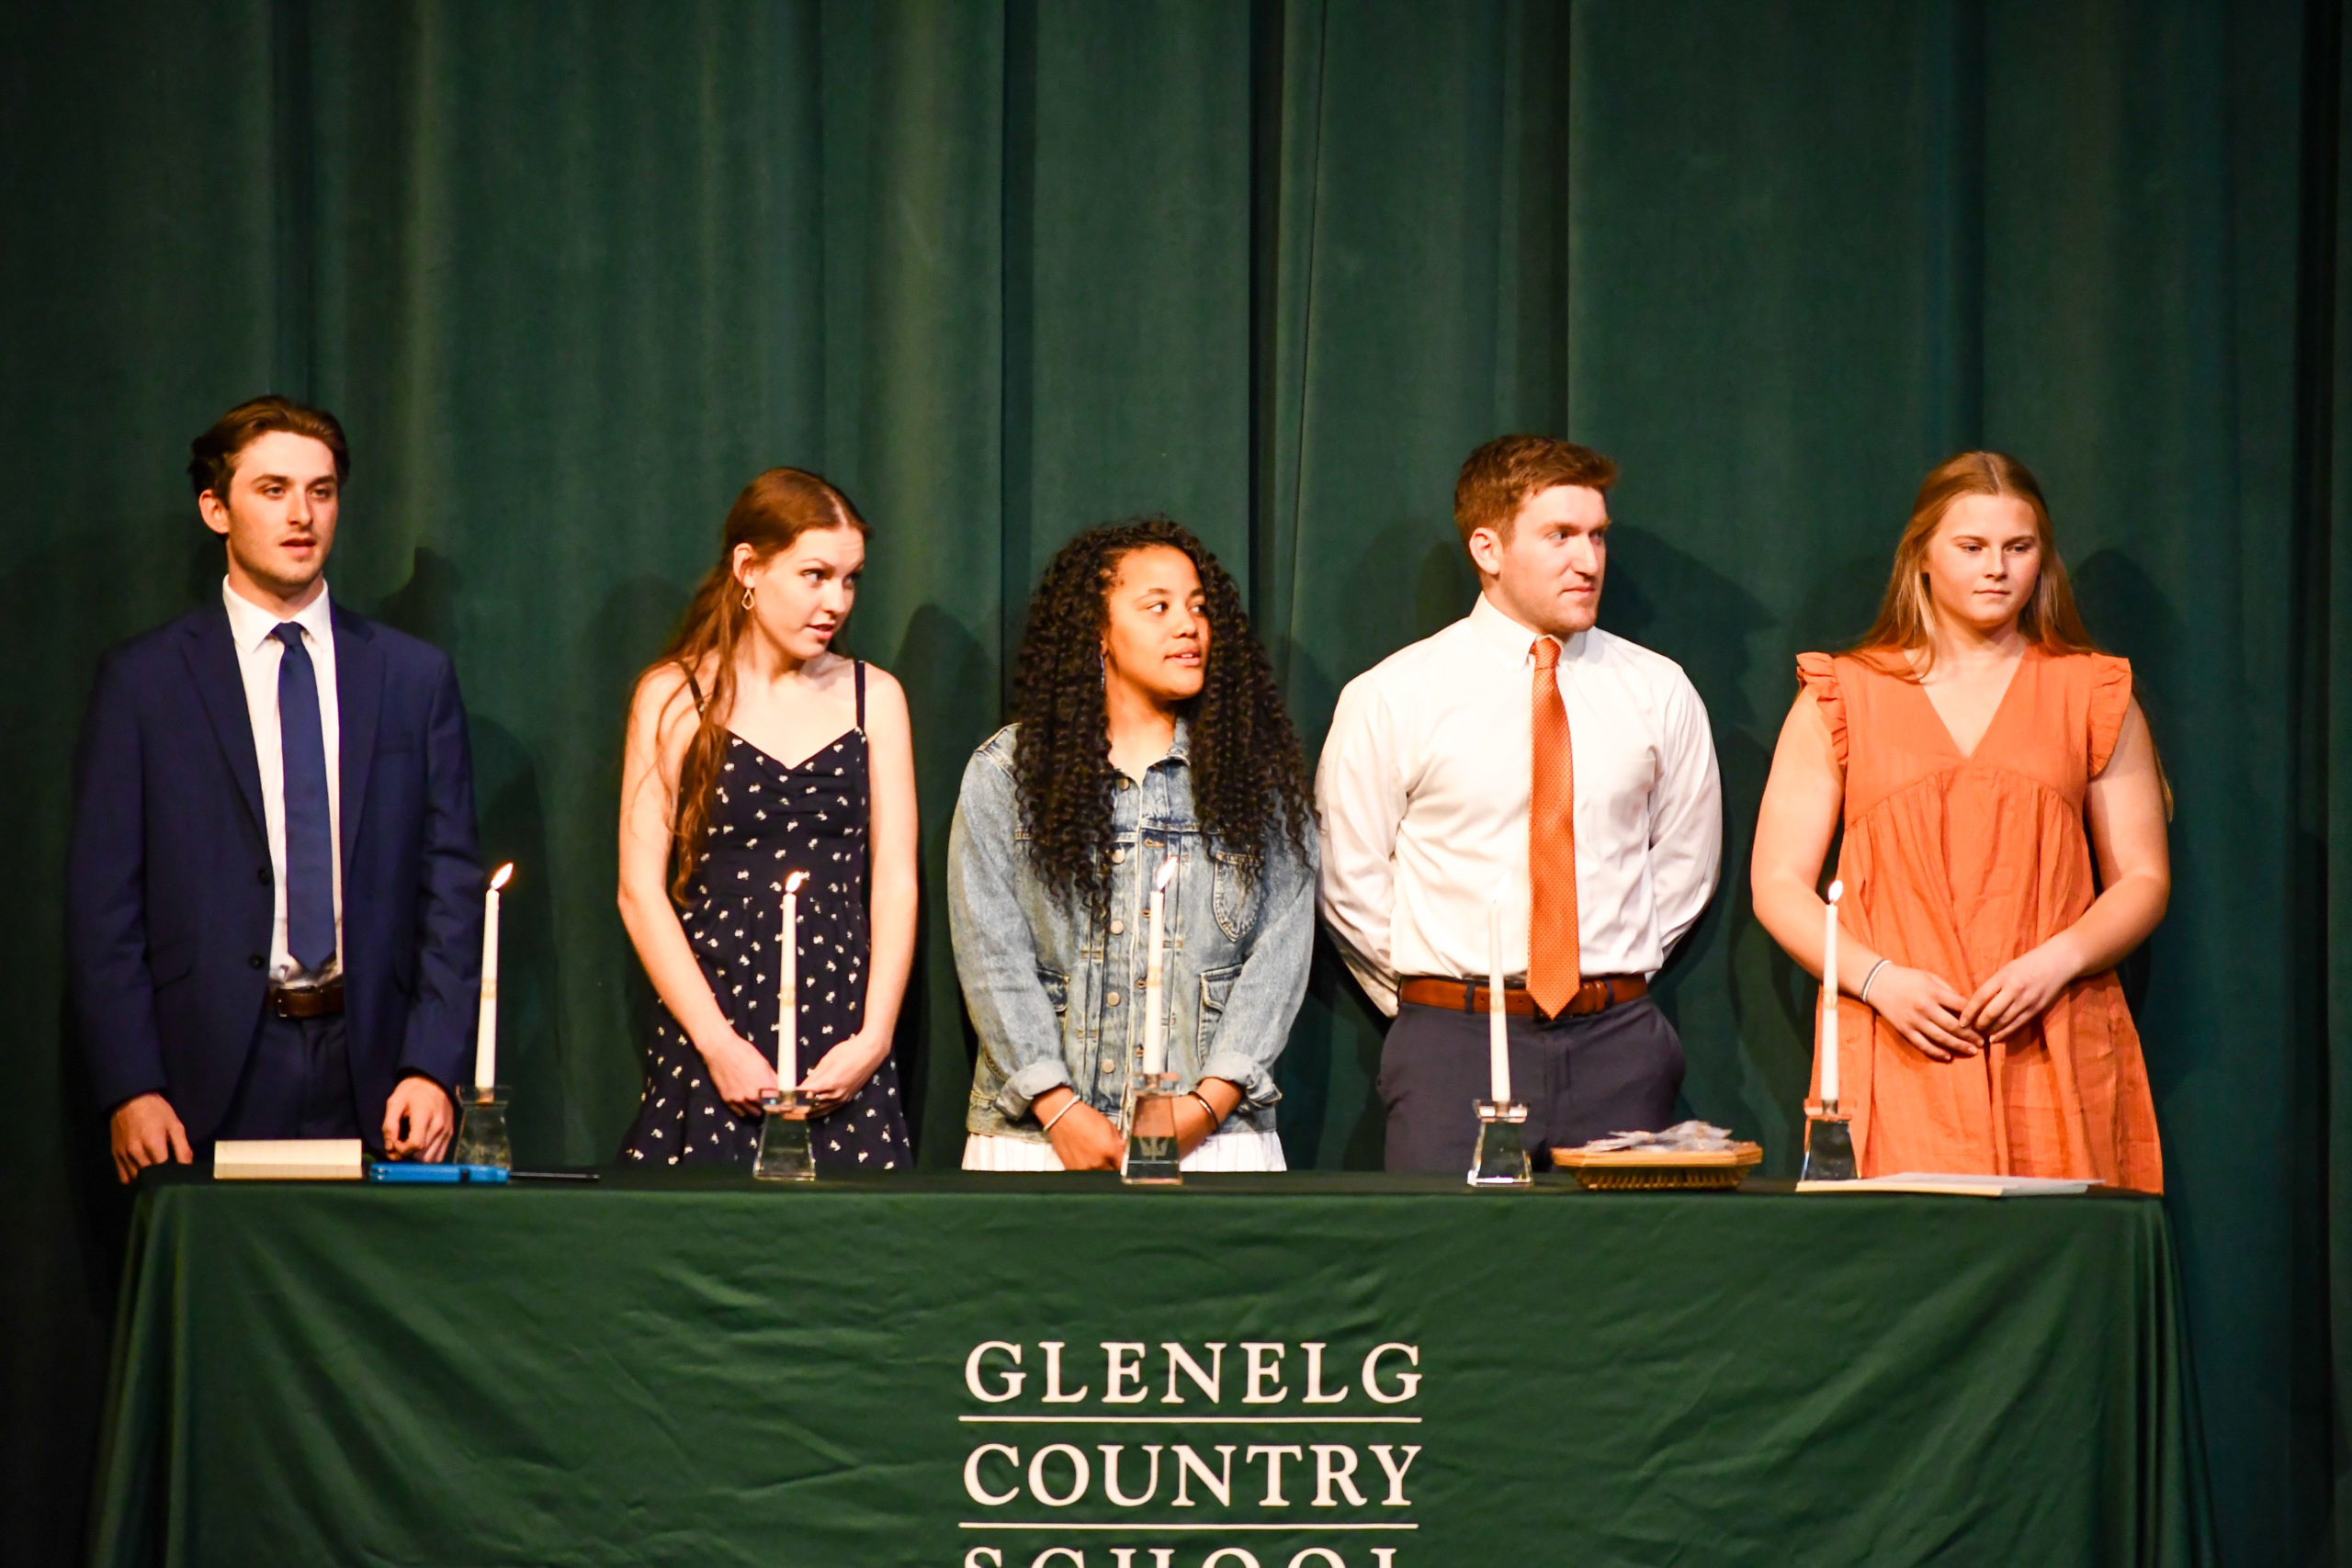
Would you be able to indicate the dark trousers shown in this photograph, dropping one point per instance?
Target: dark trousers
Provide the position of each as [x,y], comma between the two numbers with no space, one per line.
[297,1084]
[1616,1071]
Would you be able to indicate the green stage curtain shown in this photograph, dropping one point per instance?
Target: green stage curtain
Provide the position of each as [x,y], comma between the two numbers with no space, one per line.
[1006,268]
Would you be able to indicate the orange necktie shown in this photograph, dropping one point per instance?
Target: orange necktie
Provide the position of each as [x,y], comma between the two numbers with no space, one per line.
[1552,964]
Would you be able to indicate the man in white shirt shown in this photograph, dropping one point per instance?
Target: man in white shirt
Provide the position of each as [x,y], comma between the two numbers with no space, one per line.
[1521,757]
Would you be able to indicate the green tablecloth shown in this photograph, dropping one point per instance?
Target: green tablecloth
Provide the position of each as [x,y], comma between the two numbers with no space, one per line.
[706,1372]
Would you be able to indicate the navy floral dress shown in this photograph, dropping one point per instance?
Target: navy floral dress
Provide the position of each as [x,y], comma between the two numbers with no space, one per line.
[766,822]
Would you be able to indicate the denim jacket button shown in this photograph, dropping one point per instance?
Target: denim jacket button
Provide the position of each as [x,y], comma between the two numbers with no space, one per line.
[1118,927]
[1118,857]
[1110,1065]
[1111,1001]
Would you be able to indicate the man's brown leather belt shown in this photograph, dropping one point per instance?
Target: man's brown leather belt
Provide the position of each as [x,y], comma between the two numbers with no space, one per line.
[1598,993]
[307,1001]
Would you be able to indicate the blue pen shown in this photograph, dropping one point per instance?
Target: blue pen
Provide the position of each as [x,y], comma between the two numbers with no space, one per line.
[391,1170]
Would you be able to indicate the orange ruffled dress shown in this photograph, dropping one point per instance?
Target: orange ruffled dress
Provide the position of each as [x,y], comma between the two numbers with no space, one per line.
[1957,863]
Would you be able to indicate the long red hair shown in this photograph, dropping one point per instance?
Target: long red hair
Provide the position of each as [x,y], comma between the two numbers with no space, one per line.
[773,510]
[1906,618]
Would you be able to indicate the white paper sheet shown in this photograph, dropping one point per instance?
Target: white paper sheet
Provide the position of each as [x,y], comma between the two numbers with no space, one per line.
[1957,1185]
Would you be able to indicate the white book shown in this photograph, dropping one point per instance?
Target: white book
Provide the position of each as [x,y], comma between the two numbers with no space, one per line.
[286,1159]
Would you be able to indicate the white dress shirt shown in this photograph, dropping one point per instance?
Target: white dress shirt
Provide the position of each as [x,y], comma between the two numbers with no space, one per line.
[258,655]
[1423,790]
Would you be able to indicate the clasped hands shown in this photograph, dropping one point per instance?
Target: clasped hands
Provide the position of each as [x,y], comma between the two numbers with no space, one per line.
[1085,1139]
[742,1072]
[1931,1014]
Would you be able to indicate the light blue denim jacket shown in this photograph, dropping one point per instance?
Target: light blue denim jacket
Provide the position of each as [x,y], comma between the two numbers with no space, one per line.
[1056,995]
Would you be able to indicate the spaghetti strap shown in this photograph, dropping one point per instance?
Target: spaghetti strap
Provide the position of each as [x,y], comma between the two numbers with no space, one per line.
[694,686]
[857,667]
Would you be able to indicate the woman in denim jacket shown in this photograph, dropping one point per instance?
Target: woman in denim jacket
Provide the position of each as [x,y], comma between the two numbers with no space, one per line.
[1148,726]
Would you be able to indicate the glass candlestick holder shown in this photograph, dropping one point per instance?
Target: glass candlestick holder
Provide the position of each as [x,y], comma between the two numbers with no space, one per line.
[1500,1158]
[1828,1143]
[1150,1159]
[481,1128]
[785,1152]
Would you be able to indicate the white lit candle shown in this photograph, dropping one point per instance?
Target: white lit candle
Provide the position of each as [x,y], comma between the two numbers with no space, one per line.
[787,996]
[1829,996]
[486,1029]
[1153,1057]
[1497,1031]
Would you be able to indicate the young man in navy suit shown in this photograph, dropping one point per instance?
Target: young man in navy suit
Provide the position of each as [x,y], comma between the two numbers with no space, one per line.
[274,907]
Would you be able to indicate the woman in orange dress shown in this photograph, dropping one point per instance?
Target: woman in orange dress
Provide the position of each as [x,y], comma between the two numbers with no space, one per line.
[2004,849]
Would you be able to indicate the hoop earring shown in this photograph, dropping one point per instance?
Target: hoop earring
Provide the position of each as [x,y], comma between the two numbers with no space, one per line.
[747,596]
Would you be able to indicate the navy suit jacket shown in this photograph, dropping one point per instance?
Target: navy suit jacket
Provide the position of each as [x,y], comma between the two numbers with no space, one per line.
[169,900]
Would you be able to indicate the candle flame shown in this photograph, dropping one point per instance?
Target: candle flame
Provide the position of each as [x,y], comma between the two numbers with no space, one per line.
[1167,871]
[1837,891]
[503,874]
[792,884]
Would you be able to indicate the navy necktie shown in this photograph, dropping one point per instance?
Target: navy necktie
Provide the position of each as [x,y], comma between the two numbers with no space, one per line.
[309,832]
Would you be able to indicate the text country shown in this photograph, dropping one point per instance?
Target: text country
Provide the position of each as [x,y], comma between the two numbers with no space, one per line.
[1060,1475]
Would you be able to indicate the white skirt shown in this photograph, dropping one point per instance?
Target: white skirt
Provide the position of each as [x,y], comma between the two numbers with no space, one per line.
[1233,1148]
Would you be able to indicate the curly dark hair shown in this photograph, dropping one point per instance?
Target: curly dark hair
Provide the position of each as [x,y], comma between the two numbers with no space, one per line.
[1250,781]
